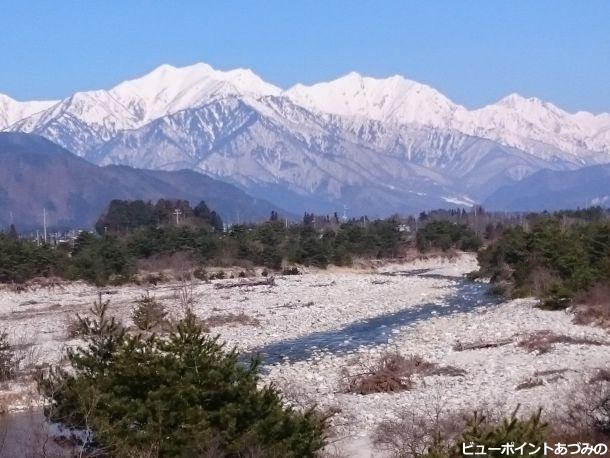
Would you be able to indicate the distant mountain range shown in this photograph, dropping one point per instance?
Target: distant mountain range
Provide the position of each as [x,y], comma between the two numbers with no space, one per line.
[553,190]
[369,146]
[36,174]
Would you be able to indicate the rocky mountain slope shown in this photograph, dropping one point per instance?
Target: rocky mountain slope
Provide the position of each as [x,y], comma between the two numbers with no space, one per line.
[36,174]
[375,146]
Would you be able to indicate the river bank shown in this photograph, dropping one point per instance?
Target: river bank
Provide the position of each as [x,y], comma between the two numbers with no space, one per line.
[313,329]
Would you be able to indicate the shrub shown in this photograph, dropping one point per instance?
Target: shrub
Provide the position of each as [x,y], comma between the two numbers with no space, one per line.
[8,359]
[154,278]
[419,434]
[200,274]
[97,324]
[439,434]
[148,313]
[179,396]
[445,235]
[394,372]
[593,306]
[291,271]
[388,376]
[220,275]
[587,417]
[483,432]
[544,341]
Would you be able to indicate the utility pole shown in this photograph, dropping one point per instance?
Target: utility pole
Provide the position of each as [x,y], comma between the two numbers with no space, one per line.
[44,224]
[177,212]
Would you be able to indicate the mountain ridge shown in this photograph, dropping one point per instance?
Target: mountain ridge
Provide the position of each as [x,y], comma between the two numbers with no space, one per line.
[168,89]
[555,190]
[313,147]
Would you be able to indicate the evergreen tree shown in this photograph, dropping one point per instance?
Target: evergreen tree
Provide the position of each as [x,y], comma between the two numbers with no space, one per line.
[183,395]
[12,232]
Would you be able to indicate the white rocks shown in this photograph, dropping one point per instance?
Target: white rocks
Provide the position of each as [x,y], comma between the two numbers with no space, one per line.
[341,297]
[491,374]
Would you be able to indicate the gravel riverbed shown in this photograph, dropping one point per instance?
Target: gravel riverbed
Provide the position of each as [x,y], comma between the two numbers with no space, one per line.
[320,301]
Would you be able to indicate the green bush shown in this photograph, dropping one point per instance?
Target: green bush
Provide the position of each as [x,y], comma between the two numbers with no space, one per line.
[183,395]
[8,360]
[21,260]
[148,313]
[574,258]
[444,235]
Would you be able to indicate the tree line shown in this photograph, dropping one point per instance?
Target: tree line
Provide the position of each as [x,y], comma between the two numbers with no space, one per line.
[130,231]
[554,256]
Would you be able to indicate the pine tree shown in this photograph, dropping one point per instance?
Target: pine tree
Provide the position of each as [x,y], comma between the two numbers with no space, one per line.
[148,313]
[8,360]
[182,395]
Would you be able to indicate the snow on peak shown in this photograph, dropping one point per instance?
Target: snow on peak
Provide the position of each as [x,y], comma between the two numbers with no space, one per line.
[394,99]
[168,89]
[163,91]
[12,110]
[529,123]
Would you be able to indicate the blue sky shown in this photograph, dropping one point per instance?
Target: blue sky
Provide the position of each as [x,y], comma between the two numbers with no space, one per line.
[475,52]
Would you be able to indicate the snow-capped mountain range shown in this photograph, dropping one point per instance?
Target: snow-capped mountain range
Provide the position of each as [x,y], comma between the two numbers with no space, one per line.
[377,146]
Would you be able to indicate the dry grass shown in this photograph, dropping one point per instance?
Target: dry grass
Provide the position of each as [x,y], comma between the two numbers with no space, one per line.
[50,283]
[593,307]
[176,263]
[394,373]
[541,281]
[231,319]
[425,425]
[544,341]
[587,414]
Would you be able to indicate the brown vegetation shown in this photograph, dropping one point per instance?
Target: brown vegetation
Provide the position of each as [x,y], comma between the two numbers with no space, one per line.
[594,306]
[394,373]
[270,281]
[541,282]
[587,418]
[291,271]
[545,340]
[9,362]
[230,319]
[420,429]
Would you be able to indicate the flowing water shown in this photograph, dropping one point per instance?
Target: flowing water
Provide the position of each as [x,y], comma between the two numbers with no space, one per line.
[26,434]
[466,296]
